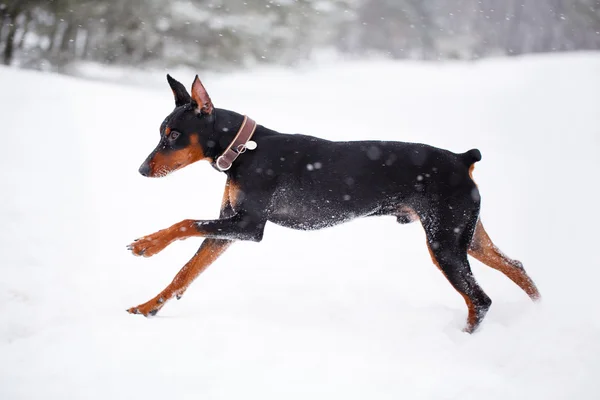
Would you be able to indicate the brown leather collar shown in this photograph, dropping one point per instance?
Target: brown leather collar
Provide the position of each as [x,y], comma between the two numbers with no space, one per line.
[237,146]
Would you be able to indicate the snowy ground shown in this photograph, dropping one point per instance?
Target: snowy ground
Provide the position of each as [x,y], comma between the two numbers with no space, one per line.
[300,315]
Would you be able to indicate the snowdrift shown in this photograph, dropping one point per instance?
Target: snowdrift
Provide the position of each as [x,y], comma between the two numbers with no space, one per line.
[326,314]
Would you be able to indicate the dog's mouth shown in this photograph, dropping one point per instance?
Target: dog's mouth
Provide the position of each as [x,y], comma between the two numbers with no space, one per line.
[159,165]
[162,163]
[164,170]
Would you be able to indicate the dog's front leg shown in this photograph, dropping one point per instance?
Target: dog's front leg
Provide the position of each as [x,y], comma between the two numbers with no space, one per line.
[208,252]
[240,226]
[220,234]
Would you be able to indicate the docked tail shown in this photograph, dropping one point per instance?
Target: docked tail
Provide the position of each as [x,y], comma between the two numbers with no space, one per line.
[471,157]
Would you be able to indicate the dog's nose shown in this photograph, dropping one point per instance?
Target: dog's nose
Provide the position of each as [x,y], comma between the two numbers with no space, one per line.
[145,169]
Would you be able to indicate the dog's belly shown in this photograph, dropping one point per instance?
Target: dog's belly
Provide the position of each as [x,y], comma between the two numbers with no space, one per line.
[316,214]
[307,219]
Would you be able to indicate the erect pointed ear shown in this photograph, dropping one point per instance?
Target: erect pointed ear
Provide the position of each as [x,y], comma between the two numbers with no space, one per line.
[181,95]
[200,96]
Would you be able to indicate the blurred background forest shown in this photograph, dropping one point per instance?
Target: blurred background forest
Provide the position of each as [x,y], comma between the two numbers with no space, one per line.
[223,34]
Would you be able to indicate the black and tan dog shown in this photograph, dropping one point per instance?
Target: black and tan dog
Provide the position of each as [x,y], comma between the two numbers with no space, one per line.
[304,182]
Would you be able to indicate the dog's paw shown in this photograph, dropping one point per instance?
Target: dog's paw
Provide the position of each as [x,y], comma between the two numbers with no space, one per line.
[148,246]
[148,309]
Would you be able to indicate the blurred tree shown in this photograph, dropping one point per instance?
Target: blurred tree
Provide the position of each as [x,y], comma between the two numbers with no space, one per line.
[11,12]
[234,33]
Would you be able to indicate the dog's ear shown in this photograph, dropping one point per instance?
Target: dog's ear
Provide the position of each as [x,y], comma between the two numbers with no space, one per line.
[200,96]
[181,95]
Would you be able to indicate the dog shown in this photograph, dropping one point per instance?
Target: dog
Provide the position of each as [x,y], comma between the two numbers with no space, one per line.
[304,182]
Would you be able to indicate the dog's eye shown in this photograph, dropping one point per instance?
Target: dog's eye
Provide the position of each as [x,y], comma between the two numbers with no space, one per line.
[173,136]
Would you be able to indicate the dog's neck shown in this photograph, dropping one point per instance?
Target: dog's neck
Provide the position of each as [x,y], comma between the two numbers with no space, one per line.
[227,124]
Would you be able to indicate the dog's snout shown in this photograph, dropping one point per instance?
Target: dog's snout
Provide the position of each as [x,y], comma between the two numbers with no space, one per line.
[145,169]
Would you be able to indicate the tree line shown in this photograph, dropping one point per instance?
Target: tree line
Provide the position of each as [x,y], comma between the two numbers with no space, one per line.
[216,34]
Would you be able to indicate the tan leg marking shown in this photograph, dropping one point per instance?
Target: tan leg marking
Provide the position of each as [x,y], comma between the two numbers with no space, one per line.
[225,202]
[236,195]
[209,251]
[484,250]
[150,245]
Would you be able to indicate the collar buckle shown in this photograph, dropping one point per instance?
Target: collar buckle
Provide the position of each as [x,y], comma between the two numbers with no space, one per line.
[238,146]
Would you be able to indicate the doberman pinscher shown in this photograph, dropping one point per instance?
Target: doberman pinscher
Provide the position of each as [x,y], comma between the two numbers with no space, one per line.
[304,182]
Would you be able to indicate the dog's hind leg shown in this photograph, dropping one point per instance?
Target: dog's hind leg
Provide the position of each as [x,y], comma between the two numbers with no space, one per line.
[484,250]
[449,232]
[457,270]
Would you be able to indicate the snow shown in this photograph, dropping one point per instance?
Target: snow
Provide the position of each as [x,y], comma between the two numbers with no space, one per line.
[356,311]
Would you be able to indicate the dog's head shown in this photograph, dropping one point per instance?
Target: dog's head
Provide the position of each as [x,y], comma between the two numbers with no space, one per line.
[185,133]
